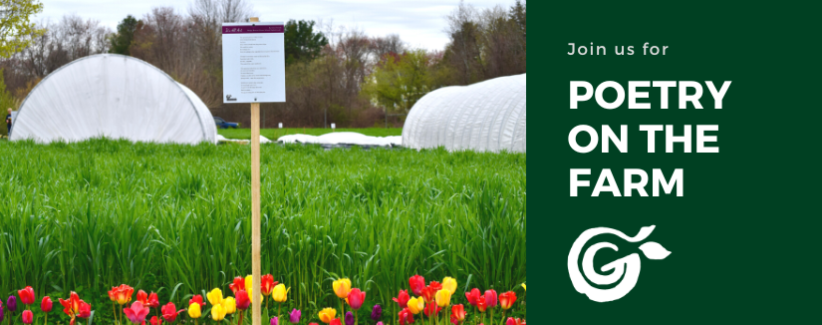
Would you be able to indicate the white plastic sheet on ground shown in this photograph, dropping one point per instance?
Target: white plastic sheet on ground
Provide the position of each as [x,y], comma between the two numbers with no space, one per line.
[342,139]
[221,138]
[115,96]
[487,116]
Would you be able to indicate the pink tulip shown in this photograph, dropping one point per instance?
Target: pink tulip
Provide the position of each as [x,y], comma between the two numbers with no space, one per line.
[137,313]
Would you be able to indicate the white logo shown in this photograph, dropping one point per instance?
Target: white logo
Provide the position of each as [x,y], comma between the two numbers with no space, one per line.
[628,265]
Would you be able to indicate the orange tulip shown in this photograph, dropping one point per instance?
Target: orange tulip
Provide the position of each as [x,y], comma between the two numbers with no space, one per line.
[122,294]
[327,315]
[458,313]
[268,283]
[507,300]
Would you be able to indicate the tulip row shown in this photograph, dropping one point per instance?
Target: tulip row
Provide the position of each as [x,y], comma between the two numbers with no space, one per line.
[430,299]
[435,296]
[74,307]
[221,307]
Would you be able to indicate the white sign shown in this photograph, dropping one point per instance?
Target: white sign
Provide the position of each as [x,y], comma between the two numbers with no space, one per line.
[625,269]
[333,126]
[253,62]
[281,125]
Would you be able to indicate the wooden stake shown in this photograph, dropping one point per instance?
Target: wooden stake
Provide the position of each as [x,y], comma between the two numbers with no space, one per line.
[256,304]
[256,318]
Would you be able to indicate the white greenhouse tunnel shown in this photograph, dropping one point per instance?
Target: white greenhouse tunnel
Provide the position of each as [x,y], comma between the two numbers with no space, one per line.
[487,116]
[115,96]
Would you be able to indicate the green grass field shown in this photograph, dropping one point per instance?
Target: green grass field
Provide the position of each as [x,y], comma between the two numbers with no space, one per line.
[175,218]
[273,134]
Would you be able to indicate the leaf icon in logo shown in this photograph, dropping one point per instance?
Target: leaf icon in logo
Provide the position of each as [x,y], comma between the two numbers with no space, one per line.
[654,250]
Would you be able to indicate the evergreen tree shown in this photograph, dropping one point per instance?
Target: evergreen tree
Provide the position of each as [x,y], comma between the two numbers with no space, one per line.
[121,41]
[301,42]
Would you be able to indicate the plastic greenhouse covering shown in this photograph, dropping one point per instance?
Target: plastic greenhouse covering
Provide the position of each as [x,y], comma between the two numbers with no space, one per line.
[115,96]
[487,116]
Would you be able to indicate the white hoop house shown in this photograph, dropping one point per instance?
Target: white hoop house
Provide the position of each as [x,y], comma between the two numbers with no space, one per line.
[487,116]
[115,96]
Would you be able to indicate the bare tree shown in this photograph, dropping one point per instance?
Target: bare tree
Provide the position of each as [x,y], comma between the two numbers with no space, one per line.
[233,11]
[503,44]
[381,46]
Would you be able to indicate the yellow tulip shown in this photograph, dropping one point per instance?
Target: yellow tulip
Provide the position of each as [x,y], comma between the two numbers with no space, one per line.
[449,284]
[249,285]
[327,314]
[217,312]
[194,310]
[342,287]
[280,293]
[229,305]
[416,305]
[443,298]
[249,289]
[523,287]
[215,297]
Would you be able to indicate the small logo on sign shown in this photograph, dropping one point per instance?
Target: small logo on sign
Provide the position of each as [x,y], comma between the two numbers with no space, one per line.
[625,268]
[230,99]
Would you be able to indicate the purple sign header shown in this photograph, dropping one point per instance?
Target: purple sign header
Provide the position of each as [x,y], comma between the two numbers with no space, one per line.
[253,29]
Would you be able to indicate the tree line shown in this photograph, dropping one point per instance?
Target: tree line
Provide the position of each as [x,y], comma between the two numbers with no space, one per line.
[333,74]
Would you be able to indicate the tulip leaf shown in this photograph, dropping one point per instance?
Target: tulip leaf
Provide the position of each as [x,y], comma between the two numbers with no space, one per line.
[654,250]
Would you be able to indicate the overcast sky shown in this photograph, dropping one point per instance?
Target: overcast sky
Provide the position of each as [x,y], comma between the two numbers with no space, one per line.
[420,23]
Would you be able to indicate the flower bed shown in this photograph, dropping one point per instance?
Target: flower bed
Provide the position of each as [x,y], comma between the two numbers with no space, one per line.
[426,305]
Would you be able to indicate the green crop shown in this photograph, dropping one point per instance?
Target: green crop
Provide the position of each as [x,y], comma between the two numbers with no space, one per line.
[176,219]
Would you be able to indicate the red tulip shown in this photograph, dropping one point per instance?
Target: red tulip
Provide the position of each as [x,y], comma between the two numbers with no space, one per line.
[481,305]
[28,317]
[490,298]
[406,317]
[473,296]
[507,300]
[435,286]
[26,295]
[156,321]
[170,312]
[46,304]
[512,321]
[335,321]
[402,298]
[85,310]
[267,283]
[142,297]
[428,294]
[153,301]
[417,283]
[458,313]
[355,298]
[71,306]
[242,300]
[432,309]
[237,285]
[197,299]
